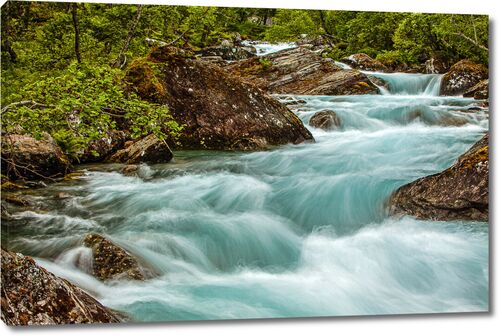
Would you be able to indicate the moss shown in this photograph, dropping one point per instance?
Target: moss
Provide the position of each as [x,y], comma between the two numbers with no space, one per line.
[479,156]
[143,77]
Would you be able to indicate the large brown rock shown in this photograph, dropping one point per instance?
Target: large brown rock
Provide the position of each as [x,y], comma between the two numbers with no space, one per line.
[110,261]
[461,77]
[479,91]
[364,62]
[32,295]
[149,149]
[217,110]
[301,71]
[459,192]
[24,157]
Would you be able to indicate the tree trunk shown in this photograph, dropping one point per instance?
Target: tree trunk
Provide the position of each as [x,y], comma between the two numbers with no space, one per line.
[6,38]
[76,25]
[120,60]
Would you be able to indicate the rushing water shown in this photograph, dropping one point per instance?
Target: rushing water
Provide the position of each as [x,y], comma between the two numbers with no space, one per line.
[265,48]
[295,231]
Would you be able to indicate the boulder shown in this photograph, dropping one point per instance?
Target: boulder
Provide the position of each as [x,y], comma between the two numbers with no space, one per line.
[101,149]
[148,149]
[301,71]
[33,296]
[113,262]
[24,157]
[364,62]
[326,120]
[457,193]
[461,77]
[218,110]
[479,91]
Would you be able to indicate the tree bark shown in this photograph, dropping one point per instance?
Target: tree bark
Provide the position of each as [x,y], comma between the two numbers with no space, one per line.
[119,61]
[6,38]
[76,25]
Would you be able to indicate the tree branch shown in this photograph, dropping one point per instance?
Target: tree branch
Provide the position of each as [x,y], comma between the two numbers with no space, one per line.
[462,35]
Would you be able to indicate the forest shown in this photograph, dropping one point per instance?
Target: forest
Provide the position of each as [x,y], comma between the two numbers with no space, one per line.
[72,56]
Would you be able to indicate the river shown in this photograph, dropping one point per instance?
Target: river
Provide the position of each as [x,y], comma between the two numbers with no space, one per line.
[300,230]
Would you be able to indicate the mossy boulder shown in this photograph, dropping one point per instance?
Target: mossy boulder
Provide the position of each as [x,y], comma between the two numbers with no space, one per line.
[461,77]
[33,296]
[217,110]
[24,157]
[459,192]
[111,261]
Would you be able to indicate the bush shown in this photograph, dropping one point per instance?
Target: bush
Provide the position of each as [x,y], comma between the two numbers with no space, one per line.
[82,103]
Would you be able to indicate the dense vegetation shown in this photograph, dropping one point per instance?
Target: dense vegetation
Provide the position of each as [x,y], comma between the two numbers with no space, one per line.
[63,63]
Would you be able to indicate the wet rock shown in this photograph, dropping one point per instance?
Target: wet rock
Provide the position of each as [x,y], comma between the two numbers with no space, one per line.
[435,66]
[101,149]
[216,60]
[479,91]
[218,110]
[458,193]
[130,170]
[24,157]
[31,295]
[301,71]
[113,262]
[149,149]
[326,120]
[461,77]
[364,62]
[19,200]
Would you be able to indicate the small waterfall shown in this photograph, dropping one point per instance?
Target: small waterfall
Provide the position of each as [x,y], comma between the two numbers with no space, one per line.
[409,84]
[265,48]
[343,65]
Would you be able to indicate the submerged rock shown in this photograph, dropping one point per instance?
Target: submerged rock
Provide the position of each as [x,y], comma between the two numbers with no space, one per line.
[32,295]
[113,262]
[301,71]
[326,120]
[364,62]
[461,77]
[217,110]
[479,91]
[24,157]
[459,192]
[149,149]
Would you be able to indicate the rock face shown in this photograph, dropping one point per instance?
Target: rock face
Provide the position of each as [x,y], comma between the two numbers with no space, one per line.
[301,71]
[326,120]
[461,77]
[111,261]
[100,150]
[459,192]
[479,91]
[217,110]
[364,62]
[148,149]
[32,295]
[24,157]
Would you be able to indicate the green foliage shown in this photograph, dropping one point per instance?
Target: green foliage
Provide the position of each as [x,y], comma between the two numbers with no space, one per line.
[82,103]
[290,24]
[266,63]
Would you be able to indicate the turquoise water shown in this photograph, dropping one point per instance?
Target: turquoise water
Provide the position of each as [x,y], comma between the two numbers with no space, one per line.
[294,231]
